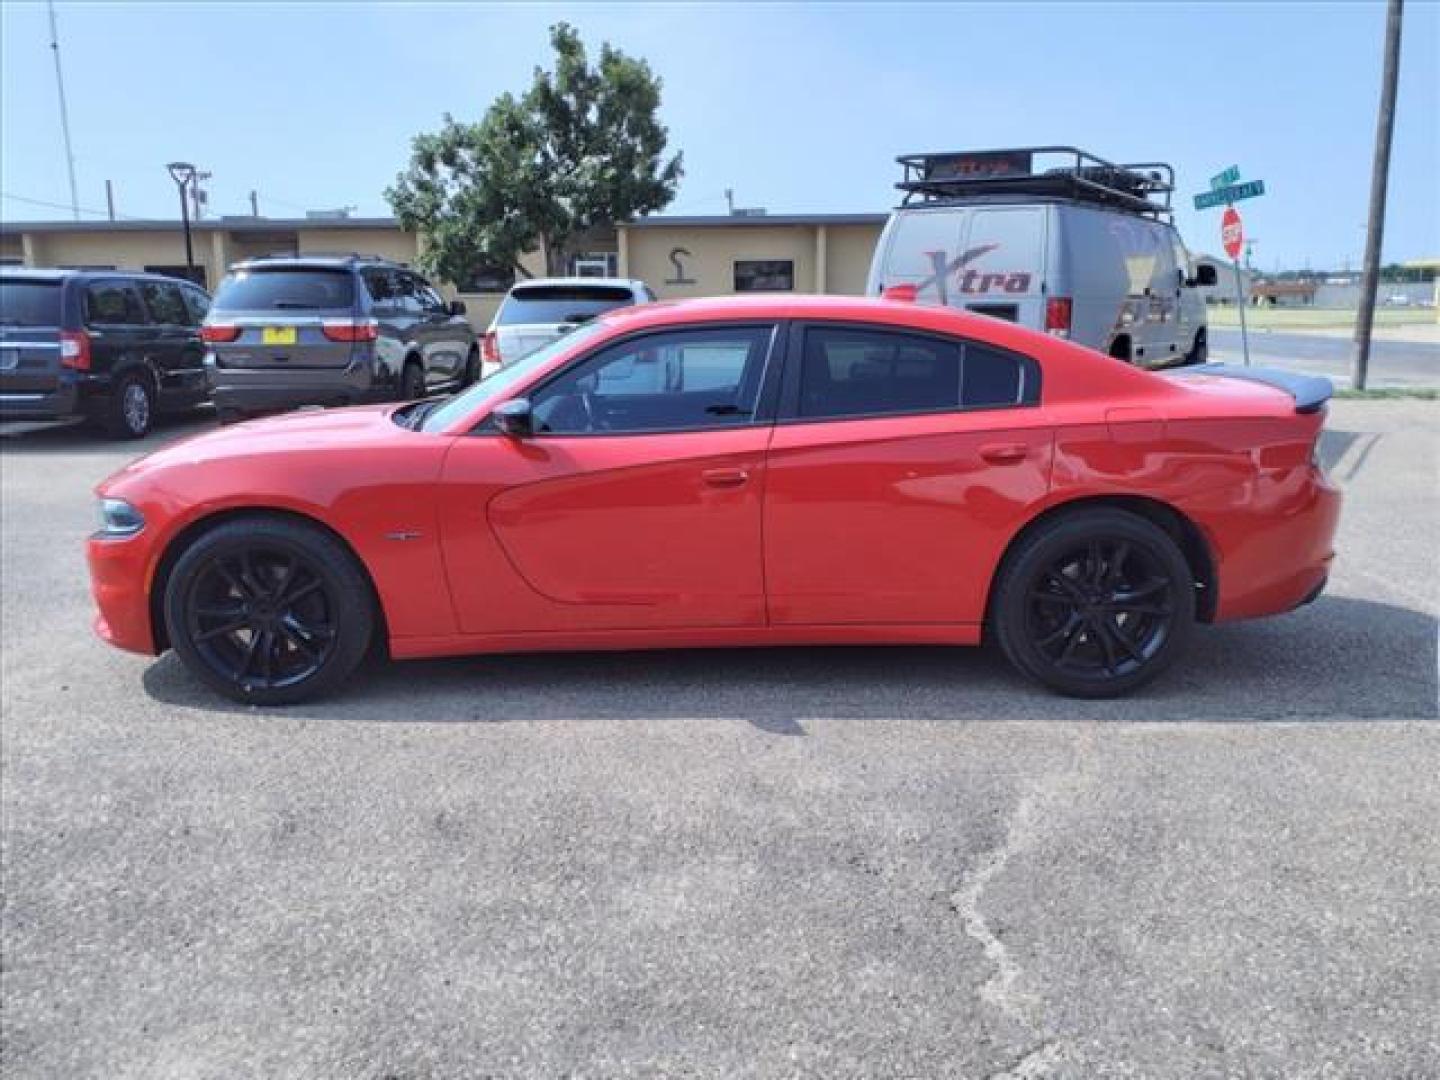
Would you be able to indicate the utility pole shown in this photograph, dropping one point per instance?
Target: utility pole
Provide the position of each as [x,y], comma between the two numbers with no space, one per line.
[110,199]
[1379,178]
[254,205]
[730,201]
[64,112]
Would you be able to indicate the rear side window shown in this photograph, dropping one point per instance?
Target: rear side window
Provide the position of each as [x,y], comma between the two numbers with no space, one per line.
[197,304]
[286,290]
[166,304]
[29,303]
[561,303]
[853,372]
[113,303]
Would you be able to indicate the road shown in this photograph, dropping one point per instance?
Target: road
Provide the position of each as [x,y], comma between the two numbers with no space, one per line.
[862,862]
[1393,364]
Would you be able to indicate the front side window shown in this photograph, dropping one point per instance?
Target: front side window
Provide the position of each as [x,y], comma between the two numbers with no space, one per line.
[113,303]
[681,380]
[166,305]
[860,372]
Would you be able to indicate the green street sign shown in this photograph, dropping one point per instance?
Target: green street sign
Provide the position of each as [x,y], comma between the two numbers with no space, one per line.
[1231,194]
[1225,179]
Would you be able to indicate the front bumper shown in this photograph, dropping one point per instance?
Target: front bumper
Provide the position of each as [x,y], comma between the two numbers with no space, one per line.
[120,585]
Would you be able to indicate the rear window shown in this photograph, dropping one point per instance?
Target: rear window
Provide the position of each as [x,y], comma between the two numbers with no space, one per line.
[285,290]
[561,303]
[29,303]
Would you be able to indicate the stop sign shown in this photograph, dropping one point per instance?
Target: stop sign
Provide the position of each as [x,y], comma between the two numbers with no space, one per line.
[1231,234]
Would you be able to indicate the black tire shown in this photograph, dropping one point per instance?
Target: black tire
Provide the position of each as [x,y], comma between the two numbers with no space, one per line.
[1200,351]
[1095,603]
[269,612]
[412,381]
[472,367]
[129,411]
[1120,349]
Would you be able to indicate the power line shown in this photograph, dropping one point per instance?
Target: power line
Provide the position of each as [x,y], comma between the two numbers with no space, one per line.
[67,206]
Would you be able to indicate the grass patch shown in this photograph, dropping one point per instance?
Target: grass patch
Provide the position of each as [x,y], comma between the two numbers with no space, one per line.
[1390,394]
[1278,318]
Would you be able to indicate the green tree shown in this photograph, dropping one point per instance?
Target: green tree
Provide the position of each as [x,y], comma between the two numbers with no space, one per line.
[582,147]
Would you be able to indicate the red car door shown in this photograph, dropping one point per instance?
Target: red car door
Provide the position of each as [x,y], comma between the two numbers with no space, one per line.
[900,467]
[636,502]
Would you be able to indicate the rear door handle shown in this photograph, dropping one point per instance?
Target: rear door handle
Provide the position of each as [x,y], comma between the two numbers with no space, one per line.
[1004,453]
[724,478]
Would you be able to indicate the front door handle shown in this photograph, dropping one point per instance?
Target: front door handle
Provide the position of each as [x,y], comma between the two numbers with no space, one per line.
[724,478]
[1004,453]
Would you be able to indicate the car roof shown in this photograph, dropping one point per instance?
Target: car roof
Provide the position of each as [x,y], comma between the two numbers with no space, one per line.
[328,260]
[632,284]
[57,274]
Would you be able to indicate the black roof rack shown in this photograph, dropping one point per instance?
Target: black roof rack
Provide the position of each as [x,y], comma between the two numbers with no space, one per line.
[1061,171]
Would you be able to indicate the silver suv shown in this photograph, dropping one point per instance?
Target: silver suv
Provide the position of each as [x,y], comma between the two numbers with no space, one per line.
[535,313]
[294,330]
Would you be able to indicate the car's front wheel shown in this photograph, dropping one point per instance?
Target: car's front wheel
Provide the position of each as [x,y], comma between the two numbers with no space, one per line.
[269,611]
[1095,603]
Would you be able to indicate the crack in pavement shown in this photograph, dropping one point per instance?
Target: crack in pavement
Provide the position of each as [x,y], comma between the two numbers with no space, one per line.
[1003,990]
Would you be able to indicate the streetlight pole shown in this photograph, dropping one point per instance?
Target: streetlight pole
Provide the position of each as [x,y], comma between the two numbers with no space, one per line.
[183,173]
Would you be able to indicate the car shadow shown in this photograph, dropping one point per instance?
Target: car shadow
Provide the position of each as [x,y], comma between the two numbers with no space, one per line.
[77,436]
[1339,658]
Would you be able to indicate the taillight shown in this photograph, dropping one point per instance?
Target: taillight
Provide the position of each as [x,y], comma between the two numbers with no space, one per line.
[904,293]
[75,349]
[489,348]
[1057,316]
[219,333]
[350,329]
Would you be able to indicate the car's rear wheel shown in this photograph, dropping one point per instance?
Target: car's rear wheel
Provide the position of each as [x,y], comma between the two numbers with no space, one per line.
[412,381]
[129,412]
[268,611]
[1095,603]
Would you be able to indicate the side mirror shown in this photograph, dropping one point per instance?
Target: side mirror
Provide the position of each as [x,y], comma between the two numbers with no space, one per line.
[514,418]
[1205,274]
[457,307]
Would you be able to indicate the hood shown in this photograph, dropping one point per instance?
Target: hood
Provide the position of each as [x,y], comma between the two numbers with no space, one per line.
[307,429]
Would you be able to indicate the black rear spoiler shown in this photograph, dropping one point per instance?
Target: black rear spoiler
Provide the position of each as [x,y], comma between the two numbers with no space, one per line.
[1310,392]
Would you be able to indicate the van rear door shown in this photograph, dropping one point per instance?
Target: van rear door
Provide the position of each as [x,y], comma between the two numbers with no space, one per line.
[30,322]
[987,259]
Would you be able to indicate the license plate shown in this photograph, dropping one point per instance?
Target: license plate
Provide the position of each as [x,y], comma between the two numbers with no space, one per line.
[277,335]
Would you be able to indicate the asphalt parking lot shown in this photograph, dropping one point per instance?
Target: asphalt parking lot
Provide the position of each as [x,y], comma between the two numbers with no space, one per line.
[859,862]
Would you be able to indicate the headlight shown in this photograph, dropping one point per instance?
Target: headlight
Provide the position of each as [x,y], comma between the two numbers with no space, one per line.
[119,518]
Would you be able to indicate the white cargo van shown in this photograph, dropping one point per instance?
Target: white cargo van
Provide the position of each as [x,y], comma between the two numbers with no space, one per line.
[1052,238]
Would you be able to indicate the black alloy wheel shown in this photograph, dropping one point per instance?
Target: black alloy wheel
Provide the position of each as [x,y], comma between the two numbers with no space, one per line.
[1096,604]
[269,611]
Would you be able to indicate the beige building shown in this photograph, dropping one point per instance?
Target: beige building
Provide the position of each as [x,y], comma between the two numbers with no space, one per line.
[676,256]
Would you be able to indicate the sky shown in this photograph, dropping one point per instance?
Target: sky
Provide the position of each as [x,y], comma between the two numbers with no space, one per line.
[798,108]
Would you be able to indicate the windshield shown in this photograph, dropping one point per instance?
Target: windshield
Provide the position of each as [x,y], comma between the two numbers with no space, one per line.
[285,290]
[29,303]
[560,303]
[504,379]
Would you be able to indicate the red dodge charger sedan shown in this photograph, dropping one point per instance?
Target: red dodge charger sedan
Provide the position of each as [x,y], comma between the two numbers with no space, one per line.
[795,470]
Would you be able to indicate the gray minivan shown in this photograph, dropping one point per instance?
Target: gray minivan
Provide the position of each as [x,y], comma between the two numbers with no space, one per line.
[286,331]
[1052,238]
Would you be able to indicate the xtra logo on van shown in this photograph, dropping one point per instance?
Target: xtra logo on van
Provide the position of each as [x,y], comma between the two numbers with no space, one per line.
[971,282]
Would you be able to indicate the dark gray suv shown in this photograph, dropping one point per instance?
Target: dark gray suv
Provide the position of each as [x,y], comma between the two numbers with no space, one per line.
[294,330]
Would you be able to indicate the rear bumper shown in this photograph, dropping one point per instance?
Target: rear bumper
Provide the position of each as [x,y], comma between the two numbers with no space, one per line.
[1283,561]
[70,396]
[118,583]
[253,392]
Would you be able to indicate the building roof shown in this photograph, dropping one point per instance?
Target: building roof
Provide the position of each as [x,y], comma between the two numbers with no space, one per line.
[270,225]
[220,224]
[722,221]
